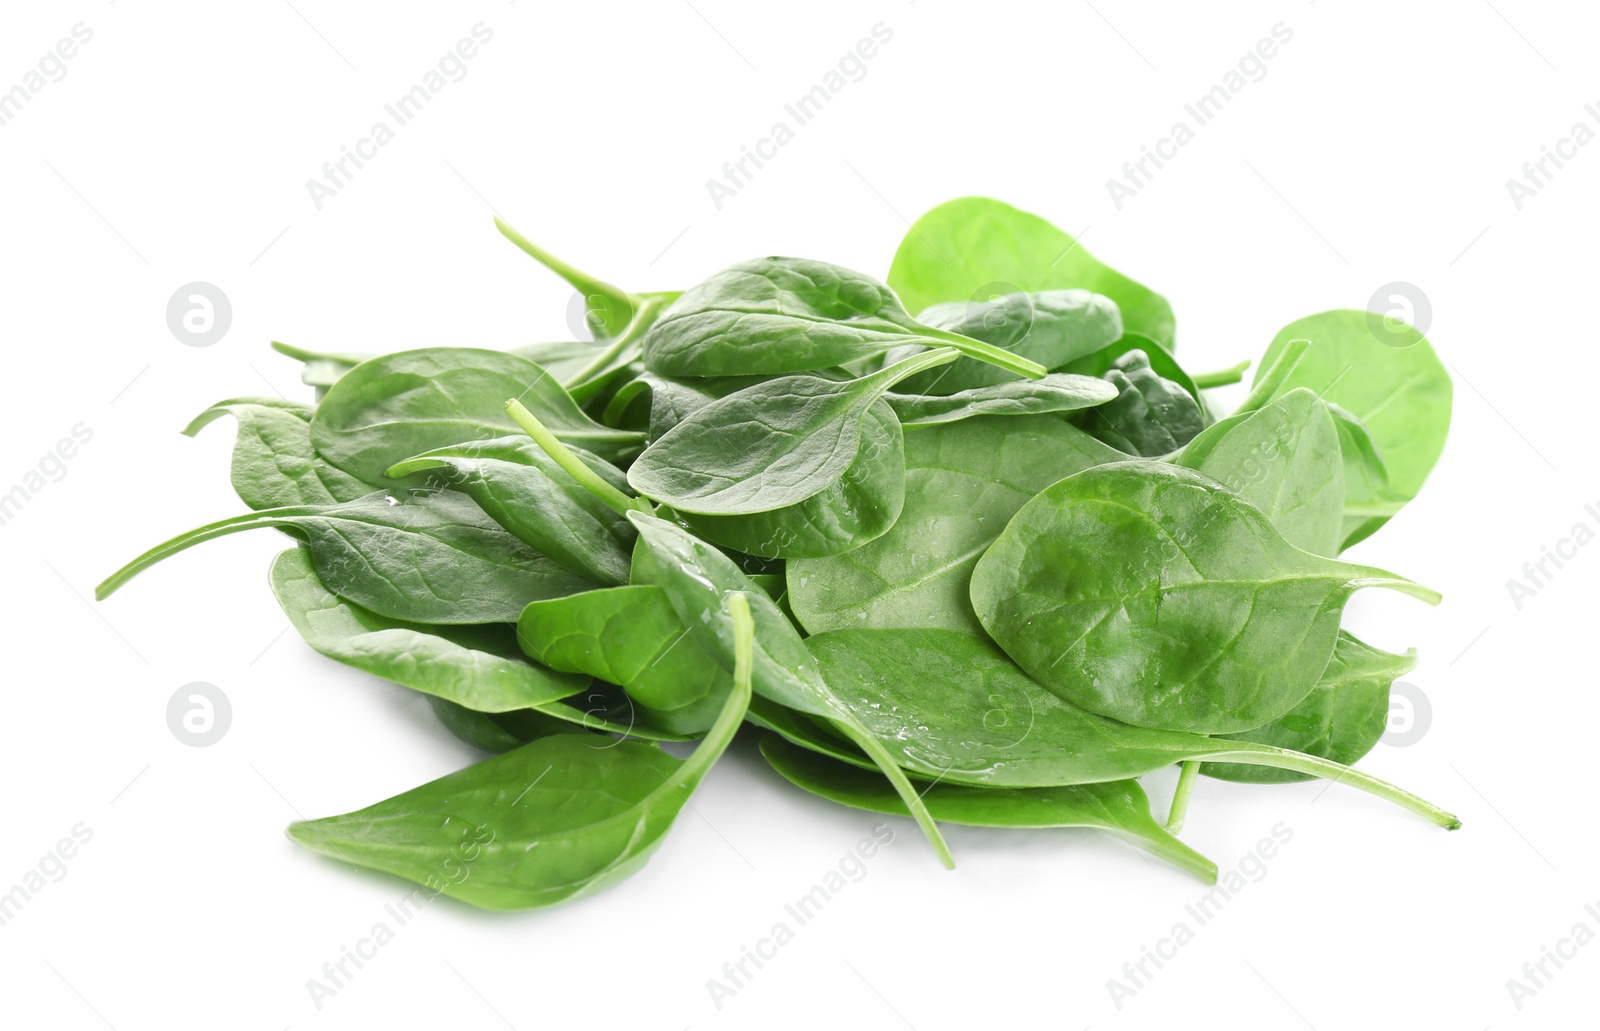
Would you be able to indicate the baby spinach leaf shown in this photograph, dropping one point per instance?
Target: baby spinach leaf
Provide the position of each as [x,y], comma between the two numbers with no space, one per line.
[770,316]
[1394,384]
[1341,719]
[479,667]
[1161,361]
[486,732]
[957,710]
[1051,327]
[1153,595]
[273,461]
[963,246]
[963,481]
[392,408]
[768,446]
[1150,416]
[695,577]
[1369,500]
[1057,392]
[430,559]
[321,369]
[1284,459]
[630,636]
[562,359]
[858,507]
[1119,806]
[527,492]
[556,819]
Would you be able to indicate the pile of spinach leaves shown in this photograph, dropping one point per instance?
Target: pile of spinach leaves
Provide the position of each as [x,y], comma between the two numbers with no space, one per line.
[984,564]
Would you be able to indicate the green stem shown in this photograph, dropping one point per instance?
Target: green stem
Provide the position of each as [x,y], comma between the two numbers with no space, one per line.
[1187,775]
[997,356]
[211,531]
[643,319]
[1221,377]
[621,305]
[613,498]
[884,380]
[902,786]
[1177,853]
[1273,376]
[1299,762]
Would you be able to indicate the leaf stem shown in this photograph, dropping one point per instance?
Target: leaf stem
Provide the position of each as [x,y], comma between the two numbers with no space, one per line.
[1188,773]
[643,319]
[1221,377]
[989,353]
[1271,378]
[613,498]
[902,786]
[210,531]
[620,305]
[1299,762]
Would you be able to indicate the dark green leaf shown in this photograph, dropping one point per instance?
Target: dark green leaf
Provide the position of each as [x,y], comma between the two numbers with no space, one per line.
[273,461]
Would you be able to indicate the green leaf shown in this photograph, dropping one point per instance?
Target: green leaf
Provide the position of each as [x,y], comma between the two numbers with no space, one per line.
[768,446]
[1391,381]
[322,369]
[497,732]
[1150,416]
[858,507]
[771,316]
[1057,392]
[696,577]
[479,667]
[1284,459]
[1161,362]
[1153,595]
[1119,806]
[1369,500]
[1341,719]
[956,710]
[392,408]
[430,559]
[630,636]
[963,481]
[273,461]
[1052,327]
[967,245]
[557,819]
[527,492]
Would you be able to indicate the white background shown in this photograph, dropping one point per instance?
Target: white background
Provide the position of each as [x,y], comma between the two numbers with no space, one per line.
[177,148]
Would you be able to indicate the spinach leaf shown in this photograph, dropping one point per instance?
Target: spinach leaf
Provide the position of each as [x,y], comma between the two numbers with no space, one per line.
[1161,362]
[527,492]
[273,461]
[429,559]
[957,710]
[1150,416]
[768,446]
[858,507]
[1153,595]
[963,246]
[963,481]
[1341,719]
[553,820]
[479,667]
[1284,459]
[1051,327]
[771,316]
[562,359]
[401,405]
[630,636]
[496,732]
[1057,392]
[1119,806]
[321,369]
[1369,500]
[1394,384]
[695,576]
